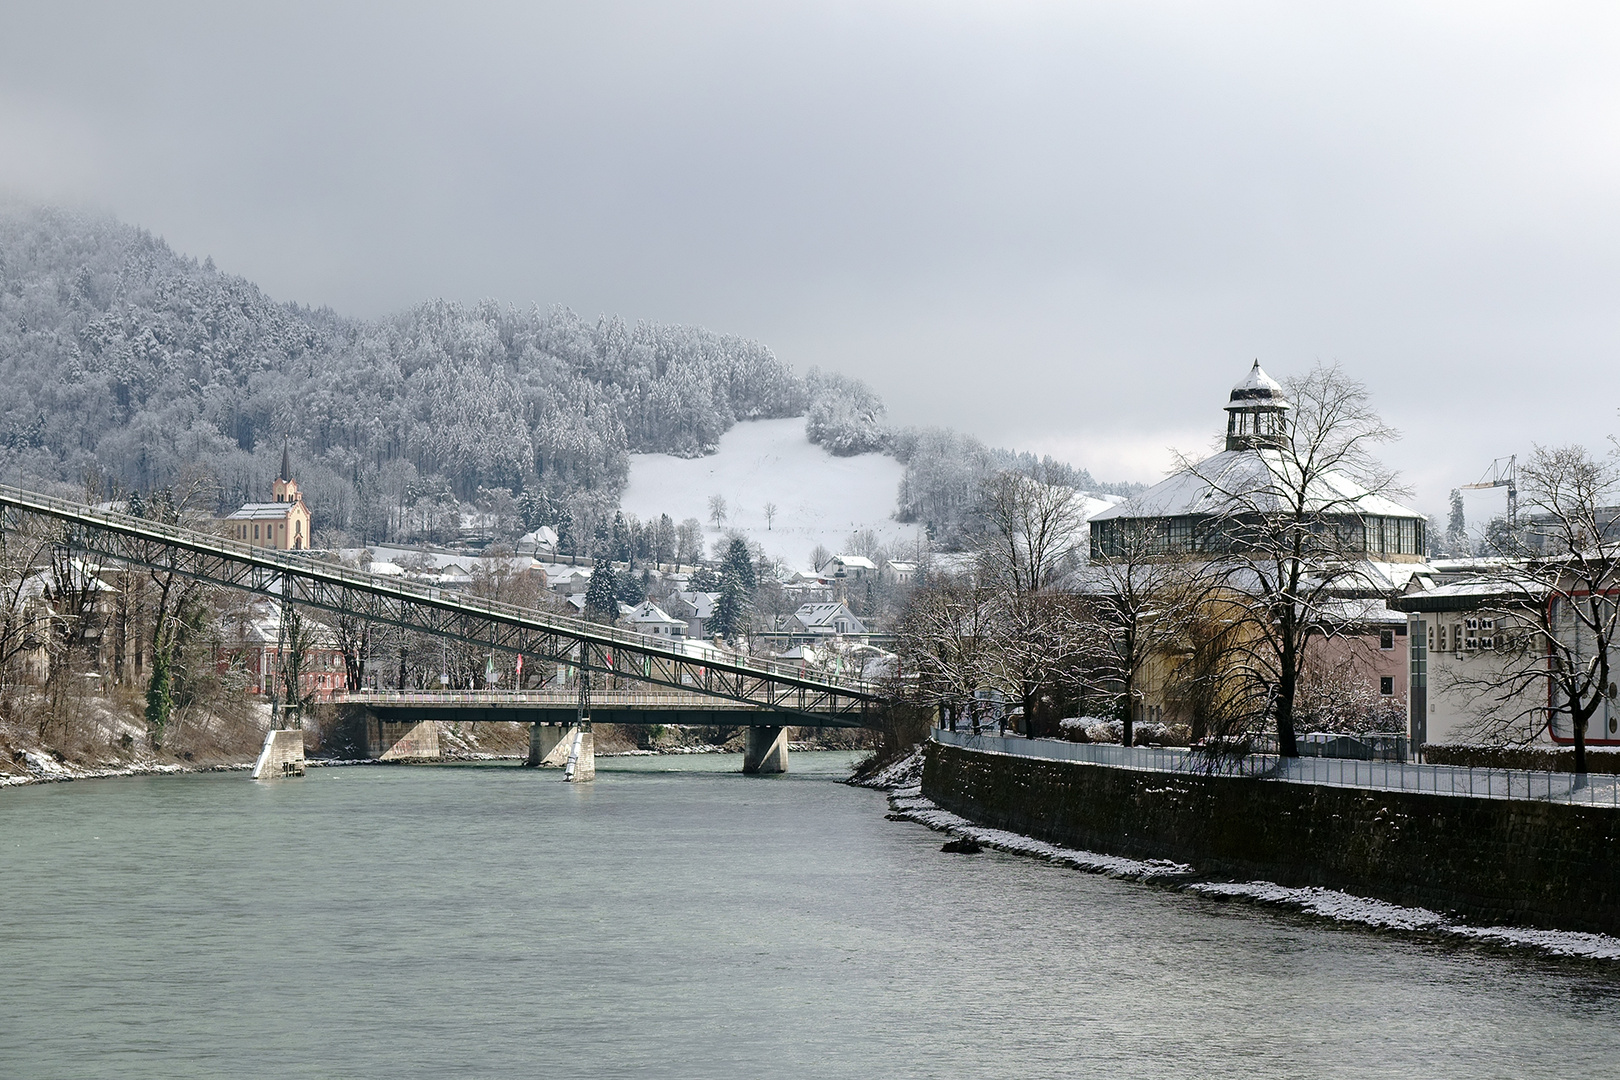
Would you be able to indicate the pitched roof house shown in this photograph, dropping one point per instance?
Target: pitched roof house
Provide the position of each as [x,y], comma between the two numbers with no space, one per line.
[816,621]
[694,607]
[848,568]
[650,619]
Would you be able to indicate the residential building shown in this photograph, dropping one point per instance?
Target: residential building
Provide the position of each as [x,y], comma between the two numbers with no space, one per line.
[695,608]
[251,639]
[814,622]
[899,573]
[846,568]
[650,619]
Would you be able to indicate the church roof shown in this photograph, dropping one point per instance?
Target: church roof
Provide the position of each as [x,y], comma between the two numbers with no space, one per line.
[1253,479]
[270,511]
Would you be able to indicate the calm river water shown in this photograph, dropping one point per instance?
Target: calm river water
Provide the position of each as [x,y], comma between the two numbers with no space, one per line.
[677,919]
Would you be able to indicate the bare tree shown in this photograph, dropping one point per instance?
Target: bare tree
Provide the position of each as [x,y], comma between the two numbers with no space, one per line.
[1290,529]
[717,510]
[25,546]
[1029,549]
[1139,598]
[689,541]
[1554,590]
[770,516]
[944,642]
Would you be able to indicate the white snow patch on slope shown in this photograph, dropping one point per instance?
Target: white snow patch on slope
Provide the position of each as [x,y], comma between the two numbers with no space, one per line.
[820,498]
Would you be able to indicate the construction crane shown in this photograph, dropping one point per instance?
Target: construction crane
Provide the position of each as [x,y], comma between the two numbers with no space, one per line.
[1499,475]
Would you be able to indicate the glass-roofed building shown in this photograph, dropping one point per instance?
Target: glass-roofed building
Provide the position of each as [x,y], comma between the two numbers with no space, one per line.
[1192,511]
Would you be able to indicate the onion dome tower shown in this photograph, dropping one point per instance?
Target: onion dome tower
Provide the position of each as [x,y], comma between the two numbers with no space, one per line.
[1257,413]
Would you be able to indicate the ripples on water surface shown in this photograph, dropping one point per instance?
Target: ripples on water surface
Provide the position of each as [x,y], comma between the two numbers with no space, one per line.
[678,919]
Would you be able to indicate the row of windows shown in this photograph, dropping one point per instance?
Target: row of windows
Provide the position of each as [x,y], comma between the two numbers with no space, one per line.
[270,531]
[1177,535]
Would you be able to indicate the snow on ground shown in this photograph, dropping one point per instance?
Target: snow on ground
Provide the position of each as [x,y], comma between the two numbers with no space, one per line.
[820,499]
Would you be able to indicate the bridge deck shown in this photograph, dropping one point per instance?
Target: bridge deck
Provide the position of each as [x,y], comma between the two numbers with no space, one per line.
[620,706]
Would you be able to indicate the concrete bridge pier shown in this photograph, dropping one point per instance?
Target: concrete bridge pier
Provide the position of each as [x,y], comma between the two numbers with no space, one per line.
[581,765]
[766,750]
[543,740]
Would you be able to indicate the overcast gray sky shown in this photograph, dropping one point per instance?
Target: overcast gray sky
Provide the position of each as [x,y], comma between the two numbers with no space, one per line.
[1064,227]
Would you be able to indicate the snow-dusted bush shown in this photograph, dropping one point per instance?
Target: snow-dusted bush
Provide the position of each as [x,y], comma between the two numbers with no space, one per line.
[845,416]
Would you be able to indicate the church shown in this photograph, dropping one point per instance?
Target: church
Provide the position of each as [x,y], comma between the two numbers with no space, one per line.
[282,523]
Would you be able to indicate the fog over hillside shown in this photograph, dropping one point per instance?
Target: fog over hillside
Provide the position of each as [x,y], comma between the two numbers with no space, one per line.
[131,367]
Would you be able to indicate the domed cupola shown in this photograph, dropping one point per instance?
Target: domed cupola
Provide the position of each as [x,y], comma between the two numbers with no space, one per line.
[1256,415]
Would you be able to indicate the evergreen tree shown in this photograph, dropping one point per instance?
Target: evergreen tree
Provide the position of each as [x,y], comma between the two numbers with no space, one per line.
[730,616]
[619,539]
[739,566]
[705,580]
[602,595]
[628,589]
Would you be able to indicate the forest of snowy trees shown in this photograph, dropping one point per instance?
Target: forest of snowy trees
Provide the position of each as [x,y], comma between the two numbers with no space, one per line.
[129,367]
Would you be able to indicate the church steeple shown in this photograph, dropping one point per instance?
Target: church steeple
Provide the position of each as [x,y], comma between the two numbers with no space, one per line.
[1256,413]
[285,488]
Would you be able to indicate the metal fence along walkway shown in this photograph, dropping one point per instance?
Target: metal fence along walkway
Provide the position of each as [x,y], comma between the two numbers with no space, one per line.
[1592,790]
[305,578]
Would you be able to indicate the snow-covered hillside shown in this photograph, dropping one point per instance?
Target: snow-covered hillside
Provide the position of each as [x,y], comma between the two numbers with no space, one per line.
[820,499]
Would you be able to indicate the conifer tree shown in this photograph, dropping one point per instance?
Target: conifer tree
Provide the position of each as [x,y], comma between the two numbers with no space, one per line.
[730,617]
[602,595]
[739,565]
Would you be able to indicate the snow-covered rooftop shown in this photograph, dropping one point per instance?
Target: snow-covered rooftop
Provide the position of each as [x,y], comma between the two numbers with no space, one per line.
[1257,386]
[1250,479]
[270,511]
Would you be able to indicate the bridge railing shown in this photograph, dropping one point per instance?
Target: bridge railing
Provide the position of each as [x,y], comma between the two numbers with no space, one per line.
[308,565]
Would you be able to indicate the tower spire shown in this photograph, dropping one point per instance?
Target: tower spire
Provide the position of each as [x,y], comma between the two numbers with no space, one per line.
[286,461]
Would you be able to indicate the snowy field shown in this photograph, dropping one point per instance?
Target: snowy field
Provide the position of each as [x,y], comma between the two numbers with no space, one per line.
[820,499]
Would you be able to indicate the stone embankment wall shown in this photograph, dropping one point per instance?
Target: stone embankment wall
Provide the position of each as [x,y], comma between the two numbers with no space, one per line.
[1498,860]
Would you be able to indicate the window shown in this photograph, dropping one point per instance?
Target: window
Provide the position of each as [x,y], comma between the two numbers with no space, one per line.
[1386,685]
[1386,639]
[1431,638]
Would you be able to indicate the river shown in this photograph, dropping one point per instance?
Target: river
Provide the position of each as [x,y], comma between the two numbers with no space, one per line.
[677,919]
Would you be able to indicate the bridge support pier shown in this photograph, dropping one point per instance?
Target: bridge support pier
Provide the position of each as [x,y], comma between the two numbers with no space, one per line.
[765,750]
[581,765]
[283,755]
[543,740]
